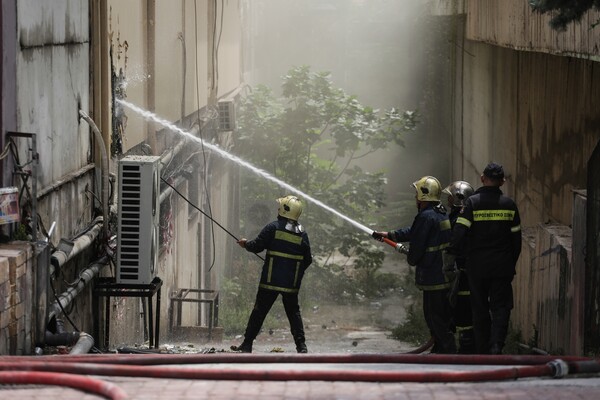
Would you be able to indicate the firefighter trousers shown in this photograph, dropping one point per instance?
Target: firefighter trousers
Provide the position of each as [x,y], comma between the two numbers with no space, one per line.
[264,301]
[491,303]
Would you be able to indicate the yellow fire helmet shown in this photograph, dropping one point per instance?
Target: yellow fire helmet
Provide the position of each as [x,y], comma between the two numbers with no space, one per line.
[290,207]
[428,189]
[460,191]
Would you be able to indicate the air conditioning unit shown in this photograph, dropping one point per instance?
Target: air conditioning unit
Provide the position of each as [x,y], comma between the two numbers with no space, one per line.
[139,211]
[226,115]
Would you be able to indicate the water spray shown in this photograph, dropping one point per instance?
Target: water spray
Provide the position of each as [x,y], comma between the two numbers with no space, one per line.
[151,116]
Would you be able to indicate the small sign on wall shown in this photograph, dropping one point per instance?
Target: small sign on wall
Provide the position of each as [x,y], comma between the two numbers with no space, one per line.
[9,205]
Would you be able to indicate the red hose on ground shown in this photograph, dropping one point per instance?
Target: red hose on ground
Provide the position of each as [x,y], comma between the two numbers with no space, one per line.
[292,358]
[423,347]
[549,369]
[83,383]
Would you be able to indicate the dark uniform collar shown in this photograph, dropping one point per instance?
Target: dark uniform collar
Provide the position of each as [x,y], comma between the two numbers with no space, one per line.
[489,189]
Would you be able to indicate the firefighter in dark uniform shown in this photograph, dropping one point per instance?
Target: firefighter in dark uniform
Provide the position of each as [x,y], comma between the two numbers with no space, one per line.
[428,235]
[489,228]
[288,255]
[458,192]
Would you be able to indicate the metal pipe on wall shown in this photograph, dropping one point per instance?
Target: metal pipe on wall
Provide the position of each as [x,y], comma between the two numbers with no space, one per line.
[61,256]
[105,170]
[69,295]
[151,63]
[42,279]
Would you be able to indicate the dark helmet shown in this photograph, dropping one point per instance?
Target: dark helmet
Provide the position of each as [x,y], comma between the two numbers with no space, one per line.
[460,191]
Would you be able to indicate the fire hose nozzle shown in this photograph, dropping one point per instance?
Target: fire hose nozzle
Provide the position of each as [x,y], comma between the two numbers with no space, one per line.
[400,248]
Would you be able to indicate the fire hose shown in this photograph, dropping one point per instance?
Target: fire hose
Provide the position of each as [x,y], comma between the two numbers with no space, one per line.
[555,368]
[400,248]
[83,383]
[244,358]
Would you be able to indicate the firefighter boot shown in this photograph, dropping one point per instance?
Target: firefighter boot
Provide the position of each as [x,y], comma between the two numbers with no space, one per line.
[466,342]
[301,347]
[245,347]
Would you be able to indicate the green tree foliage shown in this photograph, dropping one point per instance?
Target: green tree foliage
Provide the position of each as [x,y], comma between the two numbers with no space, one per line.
[564,11]
[312,138]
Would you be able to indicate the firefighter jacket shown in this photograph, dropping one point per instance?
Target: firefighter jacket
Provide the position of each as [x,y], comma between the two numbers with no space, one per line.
[460,258]
[428,235]
[288,255]
[489,228]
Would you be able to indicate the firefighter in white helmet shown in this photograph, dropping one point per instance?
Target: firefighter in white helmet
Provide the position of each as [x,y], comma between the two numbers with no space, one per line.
[287,257]
[428,235]
[458,192]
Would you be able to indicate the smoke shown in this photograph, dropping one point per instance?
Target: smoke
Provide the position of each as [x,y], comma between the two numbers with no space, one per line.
[378,50]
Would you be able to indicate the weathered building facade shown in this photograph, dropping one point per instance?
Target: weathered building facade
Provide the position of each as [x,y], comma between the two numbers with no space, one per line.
[528,96]
[65,63]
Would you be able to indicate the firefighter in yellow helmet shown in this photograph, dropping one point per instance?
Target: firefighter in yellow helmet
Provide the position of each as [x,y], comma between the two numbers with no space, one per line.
[428,235]
[458,192]
[287,258]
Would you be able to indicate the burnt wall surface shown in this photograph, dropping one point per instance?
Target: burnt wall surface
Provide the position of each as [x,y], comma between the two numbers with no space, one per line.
[536,114]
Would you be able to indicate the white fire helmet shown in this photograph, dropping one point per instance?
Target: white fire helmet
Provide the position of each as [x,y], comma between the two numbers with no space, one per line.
[428,189]
[290,207]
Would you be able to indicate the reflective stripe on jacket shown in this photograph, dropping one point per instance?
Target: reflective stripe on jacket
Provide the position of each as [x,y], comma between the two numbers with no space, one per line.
[428,236]
[288,256]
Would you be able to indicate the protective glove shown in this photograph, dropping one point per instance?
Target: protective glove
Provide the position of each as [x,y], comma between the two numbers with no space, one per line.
[378,236]
[448,260]
[450,272]
[449,267]
[402,249]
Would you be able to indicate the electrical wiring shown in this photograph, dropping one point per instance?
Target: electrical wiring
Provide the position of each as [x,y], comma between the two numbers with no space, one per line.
[203,213]
[200,131]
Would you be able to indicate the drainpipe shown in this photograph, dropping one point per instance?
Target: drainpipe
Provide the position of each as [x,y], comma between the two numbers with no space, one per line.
[66,297]
[104,171]
[84,344]
[150,6]
[67,250]
[167,192]
[81,342]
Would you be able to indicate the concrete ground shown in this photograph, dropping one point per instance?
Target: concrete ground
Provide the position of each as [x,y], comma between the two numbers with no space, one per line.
[364,340]
[329,330]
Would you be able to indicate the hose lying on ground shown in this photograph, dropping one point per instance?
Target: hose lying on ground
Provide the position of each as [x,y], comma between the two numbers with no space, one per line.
[548,369]
[83,383]
[541,368]
[243,358]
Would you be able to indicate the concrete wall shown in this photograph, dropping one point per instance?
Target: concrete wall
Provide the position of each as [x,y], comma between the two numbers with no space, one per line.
[52,68]
[186,60]
[52,85]
[184,57]
[46,82]
[536,113]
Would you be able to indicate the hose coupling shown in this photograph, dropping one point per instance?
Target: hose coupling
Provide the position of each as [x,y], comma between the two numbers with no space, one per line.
[559,367]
